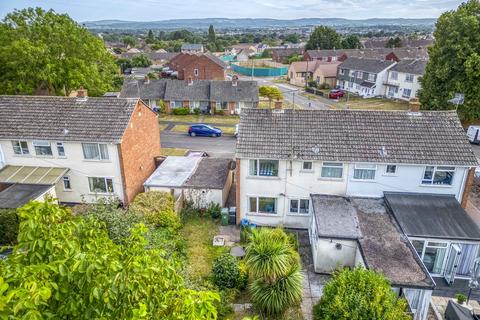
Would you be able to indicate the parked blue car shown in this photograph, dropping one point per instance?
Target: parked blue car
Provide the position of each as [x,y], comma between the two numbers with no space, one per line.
[204,130]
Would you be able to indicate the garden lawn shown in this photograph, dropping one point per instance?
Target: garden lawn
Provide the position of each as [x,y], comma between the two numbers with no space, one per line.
[371,104]
[193,118]
[199,233]
[181,128]
[163,126]
[173,152]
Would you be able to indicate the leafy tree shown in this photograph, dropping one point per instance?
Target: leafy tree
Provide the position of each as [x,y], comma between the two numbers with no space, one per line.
[66,267]
[293,58]
[123,64]
[150,37]
[45,50]
[266,54]
[211,34]
[324,38]
[130,41]
[394,43]
[454,62]
[275,267]
[292,38]
[271,93]
[351,42]
[141,61]
[360,294]
[8,227]
[157,208]
[226,271]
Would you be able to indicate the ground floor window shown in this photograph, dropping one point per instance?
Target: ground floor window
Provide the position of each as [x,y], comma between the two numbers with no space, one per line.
[301,206]
[407,93]
[66,183]
[100,185]
[262,205]
[175,104]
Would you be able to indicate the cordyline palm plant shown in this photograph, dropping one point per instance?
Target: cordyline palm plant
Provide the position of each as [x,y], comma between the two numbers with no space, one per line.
[275,267]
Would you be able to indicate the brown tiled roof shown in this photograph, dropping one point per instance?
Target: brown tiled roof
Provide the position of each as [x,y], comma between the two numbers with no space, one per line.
[429,137]
[101,119]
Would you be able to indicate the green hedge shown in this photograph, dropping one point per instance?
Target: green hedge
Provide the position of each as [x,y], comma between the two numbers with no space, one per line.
[181,111]
[8,226]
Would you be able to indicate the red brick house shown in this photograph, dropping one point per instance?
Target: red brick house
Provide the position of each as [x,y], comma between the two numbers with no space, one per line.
[200,66]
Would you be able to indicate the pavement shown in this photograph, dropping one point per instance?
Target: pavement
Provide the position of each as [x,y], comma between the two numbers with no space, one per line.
[220,147]
[476,150]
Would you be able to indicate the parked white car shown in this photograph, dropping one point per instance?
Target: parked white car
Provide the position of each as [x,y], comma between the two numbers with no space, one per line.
[473,134]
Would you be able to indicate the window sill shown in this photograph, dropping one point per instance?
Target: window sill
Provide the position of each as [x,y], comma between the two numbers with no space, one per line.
[273,215]
[263,177]
[361,180]
[101,194]
[302,215]
[436,185]
[23,155]
[307,171]
[330,179]
[93,160]
[44,156]
[69,190]
[390,175]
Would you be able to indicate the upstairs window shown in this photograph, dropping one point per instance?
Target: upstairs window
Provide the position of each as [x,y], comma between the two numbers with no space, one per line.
[438,175]
[359,74]
[20,147]
[342,72]
[332,170]
[60,149]
[394,75]
[371,77]
[409,77]
[364,172]
[195,72]
[391,169]
[264,168]
[95,151]
[42,148]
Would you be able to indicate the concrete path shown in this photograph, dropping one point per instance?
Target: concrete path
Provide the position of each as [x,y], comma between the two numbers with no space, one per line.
[222,147]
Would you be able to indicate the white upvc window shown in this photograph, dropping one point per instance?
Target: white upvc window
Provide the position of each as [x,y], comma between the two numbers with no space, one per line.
[100,185]
[263,168]
[364,171]
[176,104]
[332,170]
[42,148]
[262,205]
[20,147]
[342,72]
[407,93]
[222,105]
[307,166]
[60,149]
[67,186]
[352,73]
[359,74]
[390,169]
[394,75]
[299,206]
[195,72]
[438,175]
[409,77]
[371,77]
[95,151]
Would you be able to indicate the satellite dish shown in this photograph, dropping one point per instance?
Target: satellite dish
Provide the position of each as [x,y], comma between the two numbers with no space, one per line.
[316,149]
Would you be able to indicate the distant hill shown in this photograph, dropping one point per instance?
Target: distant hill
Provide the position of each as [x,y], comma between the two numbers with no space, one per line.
[224,23]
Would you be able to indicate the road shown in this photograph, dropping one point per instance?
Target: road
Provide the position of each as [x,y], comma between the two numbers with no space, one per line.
[476,150]
[221,147]
[291,93]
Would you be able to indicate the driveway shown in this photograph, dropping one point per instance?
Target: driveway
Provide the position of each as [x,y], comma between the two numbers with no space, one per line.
[221,147]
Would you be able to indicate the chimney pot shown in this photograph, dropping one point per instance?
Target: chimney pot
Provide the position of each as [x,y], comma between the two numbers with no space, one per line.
[81,93]
[189,81]
[146,79]
[414,105]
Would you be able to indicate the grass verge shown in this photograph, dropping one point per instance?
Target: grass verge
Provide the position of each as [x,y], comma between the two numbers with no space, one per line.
[173,152]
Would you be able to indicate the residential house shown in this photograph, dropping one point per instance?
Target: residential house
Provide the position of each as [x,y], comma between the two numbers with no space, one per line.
[372,43]
[206,95]
[86,147]
[192,48]
[201,180]
[360,182]
[203,66]
[281,55]
[323,73]
[325,55]
[157,58]
[395,54]
[244,54]
[237,48]
[365,77]
[403,80]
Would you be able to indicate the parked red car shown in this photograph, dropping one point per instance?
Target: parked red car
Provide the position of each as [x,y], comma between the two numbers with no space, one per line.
[336,94]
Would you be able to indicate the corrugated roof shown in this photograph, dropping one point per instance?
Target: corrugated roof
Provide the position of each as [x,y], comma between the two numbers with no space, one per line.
[102,119]
[432,216]
[173,172]
[17,195]
[429,137]
[31,174]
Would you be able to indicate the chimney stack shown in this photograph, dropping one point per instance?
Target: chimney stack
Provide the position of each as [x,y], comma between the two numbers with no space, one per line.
[234,81]
[81,93]
[146,80]
[414,105]
[278,104]
[189,81]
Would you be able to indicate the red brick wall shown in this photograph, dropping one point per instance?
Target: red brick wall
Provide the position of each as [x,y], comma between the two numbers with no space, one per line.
[186,64]
[468,187]
[237,190]
[140,144]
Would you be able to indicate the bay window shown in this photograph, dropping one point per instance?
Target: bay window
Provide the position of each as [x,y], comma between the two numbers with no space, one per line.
[438,175]
[301,206]
[95,151]
[42,148]
[264,168]
[332,170]
[20,147]
[262,205]
[100,185]
[364,171]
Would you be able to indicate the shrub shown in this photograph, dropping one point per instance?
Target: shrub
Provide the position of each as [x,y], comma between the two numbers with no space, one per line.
[219,112]
[360,294]
[324,86]
[243,276]
[156,208]
[213,210]
[8,227]
[226,271]
[118,221]
[461,298]
[181,111]
[196,110]
[161,106]
[312,84]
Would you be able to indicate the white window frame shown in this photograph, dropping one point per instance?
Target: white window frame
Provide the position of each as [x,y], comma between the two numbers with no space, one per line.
[434,170]
[359,75]
[67,178]
[409,78]
[298,213]
[59,146]
[257,174]
[257,212]
[386,173]
[42,143]
[195,72]
[106,185]
[404,95]
[365,166]
[336,165]
[341,72]
[307,170]
[22,150]
[394,75]
[371,77]
[426,241]
[99,152]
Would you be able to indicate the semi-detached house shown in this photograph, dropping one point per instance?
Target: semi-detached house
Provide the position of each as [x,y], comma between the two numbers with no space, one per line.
[403,80]
[84,147]
[360,181]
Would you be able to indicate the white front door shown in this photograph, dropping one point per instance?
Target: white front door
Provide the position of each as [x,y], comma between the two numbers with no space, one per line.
[452,263]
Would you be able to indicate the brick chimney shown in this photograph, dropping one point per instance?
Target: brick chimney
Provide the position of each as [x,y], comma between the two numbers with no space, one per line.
[234,81]
[414,105]
[189,81]
[81,93]
[278,104]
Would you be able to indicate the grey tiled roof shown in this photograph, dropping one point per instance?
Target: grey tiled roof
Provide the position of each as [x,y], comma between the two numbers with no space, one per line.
[151,90]
[101,119]
[430,137]
[211,173]
[19,194]
[367,65]
[192,46]
[410,66]
[226,91]
[198,90]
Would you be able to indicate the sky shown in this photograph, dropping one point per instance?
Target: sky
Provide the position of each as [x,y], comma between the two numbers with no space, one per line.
[154,10]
